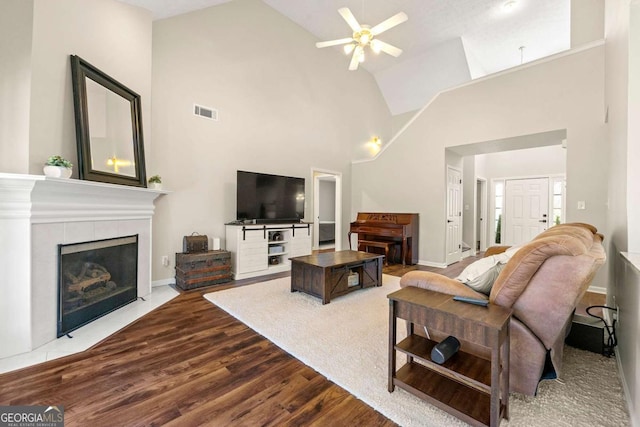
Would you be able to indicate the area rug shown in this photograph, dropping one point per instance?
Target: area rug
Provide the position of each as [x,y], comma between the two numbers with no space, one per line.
[347,342]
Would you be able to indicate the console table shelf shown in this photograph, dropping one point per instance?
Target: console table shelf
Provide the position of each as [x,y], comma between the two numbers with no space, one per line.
[465,368]
[441,391]
[472,388]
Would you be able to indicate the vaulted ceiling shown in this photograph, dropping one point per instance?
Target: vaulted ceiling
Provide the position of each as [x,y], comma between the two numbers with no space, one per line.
[444,43]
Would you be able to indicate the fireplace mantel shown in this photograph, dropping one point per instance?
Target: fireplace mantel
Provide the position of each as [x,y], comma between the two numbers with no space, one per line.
[46,199]
[36,214]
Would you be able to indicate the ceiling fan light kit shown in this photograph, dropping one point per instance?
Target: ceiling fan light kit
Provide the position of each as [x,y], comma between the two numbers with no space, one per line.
[363,36]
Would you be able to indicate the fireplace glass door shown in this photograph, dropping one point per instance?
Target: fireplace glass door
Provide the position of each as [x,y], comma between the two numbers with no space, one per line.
[95,278]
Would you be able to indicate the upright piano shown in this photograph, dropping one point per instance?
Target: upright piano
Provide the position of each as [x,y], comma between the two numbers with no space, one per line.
[389,227]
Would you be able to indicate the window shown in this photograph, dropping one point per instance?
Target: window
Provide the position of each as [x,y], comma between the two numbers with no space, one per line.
[557,202]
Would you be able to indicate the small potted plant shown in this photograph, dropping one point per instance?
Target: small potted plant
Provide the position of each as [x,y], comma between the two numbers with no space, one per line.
[155,182]
[58,167]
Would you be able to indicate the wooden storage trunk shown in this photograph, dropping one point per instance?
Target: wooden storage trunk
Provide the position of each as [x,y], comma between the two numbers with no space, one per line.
[196,270]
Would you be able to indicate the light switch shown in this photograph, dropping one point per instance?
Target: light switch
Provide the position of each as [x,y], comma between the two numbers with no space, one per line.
[581,205]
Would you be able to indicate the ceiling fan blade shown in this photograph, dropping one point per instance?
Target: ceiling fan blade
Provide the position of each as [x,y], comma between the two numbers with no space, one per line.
[387,48]
[396,19]
[355,59]
[334,42]
[348,16]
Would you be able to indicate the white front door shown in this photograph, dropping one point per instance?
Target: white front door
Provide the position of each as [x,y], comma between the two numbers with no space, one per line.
[526,209]
[454,215]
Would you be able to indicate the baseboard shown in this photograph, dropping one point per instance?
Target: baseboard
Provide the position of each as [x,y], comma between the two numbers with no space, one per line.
[432,264]
[633,411]
[633,415]
[163,282]
[597,290]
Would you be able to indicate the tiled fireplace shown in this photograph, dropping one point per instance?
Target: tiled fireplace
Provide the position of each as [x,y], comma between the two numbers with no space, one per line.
[94,279]
[37,214]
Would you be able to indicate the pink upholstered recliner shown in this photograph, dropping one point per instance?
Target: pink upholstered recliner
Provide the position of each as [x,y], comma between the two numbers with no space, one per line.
[542,282]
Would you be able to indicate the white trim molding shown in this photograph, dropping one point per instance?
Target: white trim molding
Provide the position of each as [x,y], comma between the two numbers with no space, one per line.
[37,214]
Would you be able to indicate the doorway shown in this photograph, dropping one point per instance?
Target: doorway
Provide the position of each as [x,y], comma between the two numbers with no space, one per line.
[454,215]
[327,209]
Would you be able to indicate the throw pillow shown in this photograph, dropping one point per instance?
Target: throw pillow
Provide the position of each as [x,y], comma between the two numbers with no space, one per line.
[481,274]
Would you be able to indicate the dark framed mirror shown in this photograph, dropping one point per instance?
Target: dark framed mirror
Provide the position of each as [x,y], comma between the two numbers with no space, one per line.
[108,127]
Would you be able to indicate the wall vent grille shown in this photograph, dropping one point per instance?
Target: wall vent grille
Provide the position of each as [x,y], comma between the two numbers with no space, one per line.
[206,112]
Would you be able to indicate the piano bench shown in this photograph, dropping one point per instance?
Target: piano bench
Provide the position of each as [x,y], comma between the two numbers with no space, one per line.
[364,245]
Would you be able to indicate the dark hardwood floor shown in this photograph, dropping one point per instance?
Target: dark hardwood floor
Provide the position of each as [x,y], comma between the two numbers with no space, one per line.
[189,363]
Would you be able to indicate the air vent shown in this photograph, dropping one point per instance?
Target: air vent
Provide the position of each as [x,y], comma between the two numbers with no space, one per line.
[206,112]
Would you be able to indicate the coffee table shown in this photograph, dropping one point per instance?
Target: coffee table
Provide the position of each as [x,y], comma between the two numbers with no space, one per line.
[327,275]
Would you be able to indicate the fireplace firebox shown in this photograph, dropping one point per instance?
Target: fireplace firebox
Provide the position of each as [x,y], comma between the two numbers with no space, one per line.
[95,278]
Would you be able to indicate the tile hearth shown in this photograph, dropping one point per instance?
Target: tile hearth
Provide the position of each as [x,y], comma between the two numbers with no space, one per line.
[91,334]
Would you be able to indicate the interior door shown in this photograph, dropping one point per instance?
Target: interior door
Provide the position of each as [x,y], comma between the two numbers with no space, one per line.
[526,209]
[454,215]
[481,215]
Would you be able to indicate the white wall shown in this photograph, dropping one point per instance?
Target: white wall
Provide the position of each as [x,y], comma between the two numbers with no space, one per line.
[587,21]
[285,107]
[622,26]
[631,363]
[548,160]
[16,25]
[616,86]
[633,144]
[563,93]
[36,39]
[113,36]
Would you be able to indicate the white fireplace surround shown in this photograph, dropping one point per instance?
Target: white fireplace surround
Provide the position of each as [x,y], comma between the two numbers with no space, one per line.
[36,214]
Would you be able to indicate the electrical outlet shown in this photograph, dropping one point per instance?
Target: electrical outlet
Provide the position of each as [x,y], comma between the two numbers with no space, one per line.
[165,260]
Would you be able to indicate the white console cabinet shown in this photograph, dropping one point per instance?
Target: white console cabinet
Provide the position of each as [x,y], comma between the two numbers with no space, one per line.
[262,249]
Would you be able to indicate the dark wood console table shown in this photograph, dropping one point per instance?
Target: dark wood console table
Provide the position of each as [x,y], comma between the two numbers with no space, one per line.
[326,275]
[469,387]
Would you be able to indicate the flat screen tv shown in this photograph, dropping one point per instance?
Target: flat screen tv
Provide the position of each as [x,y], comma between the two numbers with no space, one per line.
[269,198]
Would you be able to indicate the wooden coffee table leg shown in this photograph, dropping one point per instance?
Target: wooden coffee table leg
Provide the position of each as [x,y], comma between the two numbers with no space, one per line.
[326,291]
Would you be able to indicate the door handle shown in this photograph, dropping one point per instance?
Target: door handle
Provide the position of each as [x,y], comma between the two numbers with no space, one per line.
[542,220]
[449,220]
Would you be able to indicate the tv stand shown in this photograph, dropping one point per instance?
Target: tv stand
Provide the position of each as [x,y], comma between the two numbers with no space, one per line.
[261,249]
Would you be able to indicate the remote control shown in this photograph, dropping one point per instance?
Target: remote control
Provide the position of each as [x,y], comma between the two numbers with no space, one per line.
[476,301]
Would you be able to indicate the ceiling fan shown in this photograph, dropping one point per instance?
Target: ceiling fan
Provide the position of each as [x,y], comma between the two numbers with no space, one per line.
[364,35]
